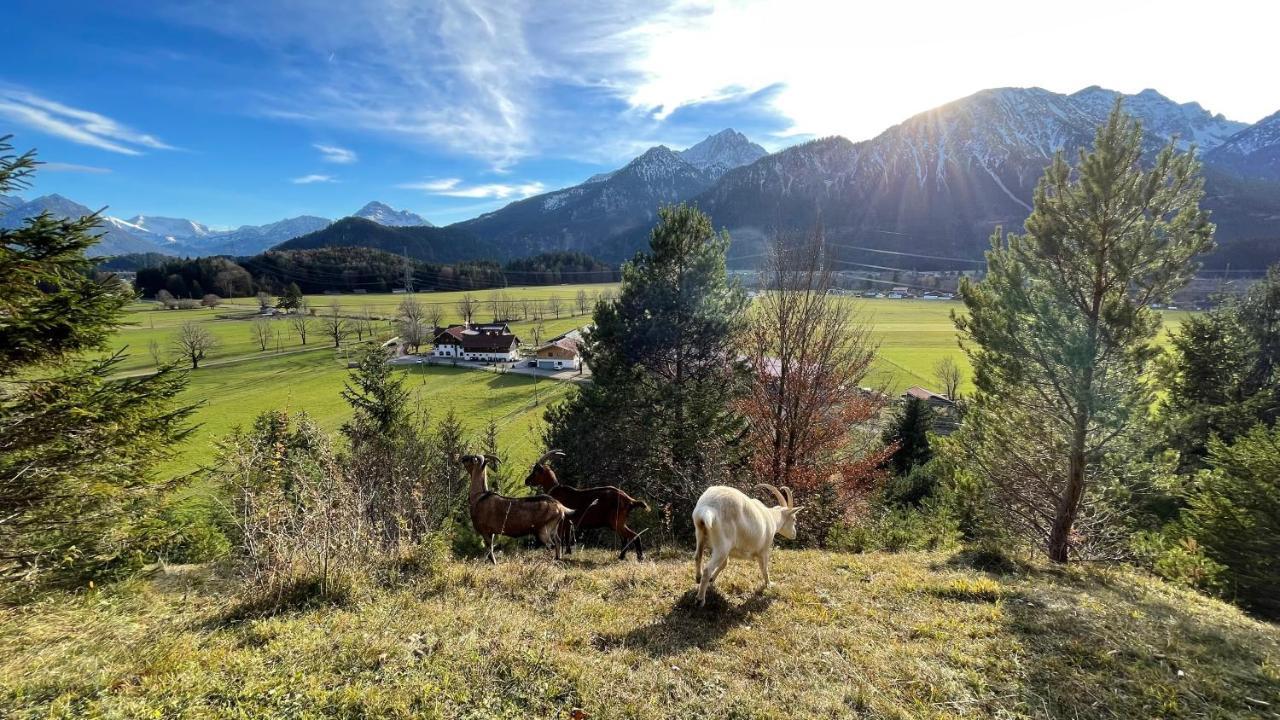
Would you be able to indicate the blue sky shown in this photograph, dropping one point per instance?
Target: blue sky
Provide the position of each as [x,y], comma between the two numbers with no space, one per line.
[247,112]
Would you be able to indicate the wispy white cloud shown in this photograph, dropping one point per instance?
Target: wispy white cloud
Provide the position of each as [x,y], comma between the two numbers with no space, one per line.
[73,168]
[75,124]
[454,187]
[335,154]
[314,178]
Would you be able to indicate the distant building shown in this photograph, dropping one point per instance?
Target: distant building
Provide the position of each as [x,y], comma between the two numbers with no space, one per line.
[936,400]
[448,342]
[482,343]
[560,354]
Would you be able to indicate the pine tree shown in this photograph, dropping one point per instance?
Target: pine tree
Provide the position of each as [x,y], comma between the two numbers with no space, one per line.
[1060,331]
[1235,516]
[77,447]
[910,430]
[1223,374]
[658,418]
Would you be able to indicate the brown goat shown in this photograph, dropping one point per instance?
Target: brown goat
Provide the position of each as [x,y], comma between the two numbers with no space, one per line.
[598,507]
[493,514]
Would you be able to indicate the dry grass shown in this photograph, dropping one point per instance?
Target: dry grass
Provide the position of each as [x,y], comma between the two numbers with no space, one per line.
[906,636]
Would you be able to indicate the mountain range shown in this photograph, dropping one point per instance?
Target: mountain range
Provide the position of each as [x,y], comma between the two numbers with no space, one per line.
[930,188]
[180,236]
[935,184]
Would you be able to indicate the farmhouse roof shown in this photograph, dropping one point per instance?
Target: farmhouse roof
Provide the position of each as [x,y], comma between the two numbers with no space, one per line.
[926,394]
[565,343]
[451,335]
[496,338]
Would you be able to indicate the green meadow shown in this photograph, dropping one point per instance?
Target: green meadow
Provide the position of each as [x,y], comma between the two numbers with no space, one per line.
[238,380]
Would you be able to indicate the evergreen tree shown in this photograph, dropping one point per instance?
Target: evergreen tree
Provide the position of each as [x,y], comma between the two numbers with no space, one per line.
[291,298]
[658,418]
[77,448]
[1235,516]
[910,429]
[1223,374]
[1060,331]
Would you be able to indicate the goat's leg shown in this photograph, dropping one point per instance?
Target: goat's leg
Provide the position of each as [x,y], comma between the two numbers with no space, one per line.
[718,561]
[764,569]
[488,546]
[628,537]
[697,554]
[566,537]
[548,536]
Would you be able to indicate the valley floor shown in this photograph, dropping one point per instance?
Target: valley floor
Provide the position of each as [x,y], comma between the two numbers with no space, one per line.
[875,635]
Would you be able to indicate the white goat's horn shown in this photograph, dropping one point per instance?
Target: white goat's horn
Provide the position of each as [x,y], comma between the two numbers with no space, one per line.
[776,493]
[791,500]
[550,454]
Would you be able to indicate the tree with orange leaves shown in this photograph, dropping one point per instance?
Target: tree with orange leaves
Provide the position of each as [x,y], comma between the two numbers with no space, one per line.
[809,353]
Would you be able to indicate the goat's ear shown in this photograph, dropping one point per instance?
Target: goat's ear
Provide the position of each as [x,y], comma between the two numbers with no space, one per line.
[794,510]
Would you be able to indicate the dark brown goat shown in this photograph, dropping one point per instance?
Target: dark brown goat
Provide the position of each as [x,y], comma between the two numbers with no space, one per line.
[493,514]
[598,507]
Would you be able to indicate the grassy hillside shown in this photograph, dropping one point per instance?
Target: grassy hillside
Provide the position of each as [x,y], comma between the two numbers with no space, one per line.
[876,635]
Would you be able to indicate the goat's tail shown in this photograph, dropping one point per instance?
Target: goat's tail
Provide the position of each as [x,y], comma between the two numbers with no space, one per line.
[703,518]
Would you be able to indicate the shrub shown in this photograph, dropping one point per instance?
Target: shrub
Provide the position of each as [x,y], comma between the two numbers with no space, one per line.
[896,529]
[301,538]
[1235,515]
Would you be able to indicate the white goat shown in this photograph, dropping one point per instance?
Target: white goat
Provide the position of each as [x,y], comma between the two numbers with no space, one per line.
[731,524]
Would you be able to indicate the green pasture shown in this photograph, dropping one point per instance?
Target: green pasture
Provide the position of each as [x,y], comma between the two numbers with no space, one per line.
[912,335]
[231,323]
[915,334]
[312,381]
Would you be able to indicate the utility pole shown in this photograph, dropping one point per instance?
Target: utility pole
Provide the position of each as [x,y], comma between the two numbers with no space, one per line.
[408,272]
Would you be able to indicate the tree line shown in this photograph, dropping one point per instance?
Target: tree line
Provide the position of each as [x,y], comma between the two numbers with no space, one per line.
[346,269]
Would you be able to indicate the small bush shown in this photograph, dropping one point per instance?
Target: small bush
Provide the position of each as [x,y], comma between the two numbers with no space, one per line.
[898,529]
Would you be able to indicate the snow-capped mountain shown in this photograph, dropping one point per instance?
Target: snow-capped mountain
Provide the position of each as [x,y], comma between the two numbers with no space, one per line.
[1162,117]
[1254,152]
[170,236]
[253,239]
[942,180]
[172,229]
[384,214]
[723,152]
[117,236]
[623,202]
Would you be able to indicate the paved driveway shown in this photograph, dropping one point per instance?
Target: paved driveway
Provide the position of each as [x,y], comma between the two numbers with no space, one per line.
[519,368]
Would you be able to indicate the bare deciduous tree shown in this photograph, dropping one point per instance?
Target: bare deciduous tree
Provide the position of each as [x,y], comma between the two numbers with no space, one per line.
[537,331]
[261,332]
[193,342]
[554,305]
[435,316]
[301,325]
[156,351]
[335,326]
[264,300]
[583,302]
[949,377]
[467,307]
[411,323]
